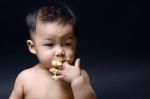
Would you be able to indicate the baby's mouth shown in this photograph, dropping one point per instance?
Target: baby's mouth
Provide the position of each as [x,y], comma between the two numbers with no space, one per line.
[57,65]
[58,61]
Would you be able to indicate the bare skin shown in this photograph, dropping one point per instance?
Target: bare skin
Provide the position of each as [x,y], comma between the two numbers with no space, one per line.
[36,83]
[49,41]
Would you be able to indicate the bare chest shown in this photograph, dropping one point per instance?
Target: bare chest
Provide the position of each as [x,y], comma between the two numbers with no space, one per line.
[47,89]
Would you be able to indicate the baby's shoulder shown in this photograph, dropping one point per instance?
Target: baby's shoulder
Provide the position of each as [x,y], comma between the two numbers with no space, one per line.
[25,73]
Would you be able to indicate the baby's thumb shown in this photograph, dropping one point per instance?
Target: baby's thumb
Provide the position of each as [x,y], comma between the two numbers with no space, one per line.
[77,62]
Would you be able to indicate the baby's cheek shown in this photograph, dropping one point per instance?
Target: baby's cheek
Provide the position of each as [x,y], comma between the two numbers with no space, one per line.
[45,60]
[71,57]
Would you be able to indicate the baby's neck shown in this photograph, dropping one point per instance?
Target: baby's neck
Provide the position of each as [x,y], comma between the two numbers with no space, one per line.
[42,68]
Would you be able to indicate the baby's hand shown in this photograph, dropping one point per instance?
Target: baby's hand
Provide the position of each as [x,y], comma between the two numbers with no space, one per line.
[70,72]
[67,72]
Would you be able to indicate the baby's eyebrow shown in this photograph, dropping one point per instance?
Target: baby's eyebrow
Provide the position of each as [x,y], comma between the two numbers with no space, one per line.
[70,36]
[49,38]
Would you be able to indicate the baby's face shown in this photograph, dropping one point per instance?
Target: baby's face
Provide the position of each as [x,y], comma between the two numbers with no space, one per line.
[53,40]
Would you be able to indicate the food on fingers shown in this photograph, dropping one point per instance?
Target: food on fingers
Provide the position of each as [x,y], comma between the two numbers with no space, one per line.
[54,71]
[57,65]
[55,77]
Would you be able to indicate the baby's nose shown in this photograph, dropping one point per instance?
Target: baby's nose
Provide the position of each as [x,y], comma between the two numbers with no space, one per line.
[60,52]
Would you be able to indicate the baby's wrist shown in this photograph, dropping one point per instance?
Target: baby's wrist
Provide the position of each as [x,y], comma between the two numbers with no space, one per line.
[78,81]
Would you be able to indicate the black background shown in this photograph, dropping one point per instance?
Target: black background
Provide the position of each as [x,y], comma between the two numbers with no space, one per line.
[114,45]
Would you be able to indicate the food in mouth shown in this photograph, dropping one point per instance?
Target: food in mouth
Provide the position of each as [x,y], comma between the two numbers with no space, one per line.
[56,66]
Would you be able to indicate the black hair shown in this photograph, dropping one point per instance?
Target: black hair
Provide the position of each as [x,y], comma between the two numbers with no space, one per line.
[51,12]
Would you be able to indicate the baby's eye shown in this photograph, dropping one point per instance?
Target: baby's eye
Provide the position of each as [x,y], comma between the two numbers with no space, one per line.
[68,44]
[49,45]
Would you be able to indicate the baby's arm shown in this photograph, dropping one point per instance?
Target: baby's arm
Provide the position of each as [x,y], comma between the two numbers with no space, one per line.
[82,88]
[79,80]
[17,92]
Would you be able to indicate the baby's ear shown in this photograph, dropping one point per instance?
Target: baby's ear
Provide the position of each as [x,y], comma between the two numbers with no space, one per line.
[31,46]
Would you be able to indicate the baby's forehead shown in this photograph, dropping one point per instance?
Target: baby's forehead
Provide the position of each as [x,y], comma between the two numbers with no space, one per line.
[55,29]
[68,36]
[56,23]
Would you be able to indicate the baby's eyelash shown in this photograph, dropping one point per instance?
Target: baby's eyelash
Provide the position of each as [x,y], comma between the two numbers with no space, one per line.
[68,44]
[49,45]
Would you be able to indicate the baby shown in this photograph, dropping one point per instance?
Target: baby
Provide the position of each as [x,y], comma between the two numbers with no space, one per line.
[58,74]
